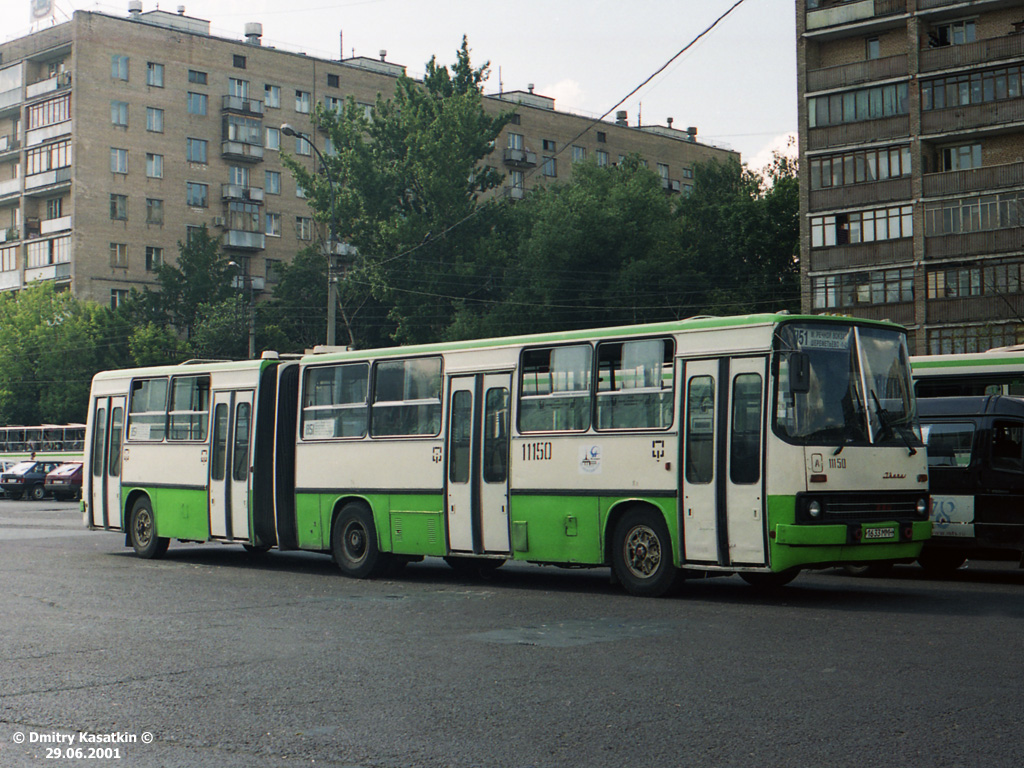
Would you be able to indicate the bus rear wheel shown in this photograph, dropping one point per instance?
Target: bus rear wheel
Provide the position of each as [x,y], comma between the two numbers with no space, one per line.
[642,554]
[354,543]
[142,531]
[772,580]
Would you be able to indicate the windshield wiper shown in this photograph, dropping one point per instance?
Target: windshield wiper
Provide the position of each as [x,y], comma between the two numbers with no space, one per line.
[883,416]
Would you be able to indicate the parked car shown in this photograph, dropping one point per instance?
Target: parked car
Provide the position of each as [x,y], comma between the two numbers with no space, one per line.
[65,482]
[26,478]
[4,466]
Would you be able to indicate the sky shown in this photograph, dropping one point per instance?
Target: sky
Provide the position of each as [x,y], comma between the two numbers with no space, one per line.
[737,85]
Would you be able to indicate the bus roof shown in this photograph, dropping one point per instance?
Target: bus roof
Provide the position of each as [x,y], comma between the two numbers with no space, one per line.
[967,362]
[981,405]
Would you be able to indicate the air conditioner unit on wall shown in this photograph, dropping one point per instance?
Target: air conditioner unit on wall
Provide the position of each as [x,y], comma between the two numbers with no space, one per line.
[219,221]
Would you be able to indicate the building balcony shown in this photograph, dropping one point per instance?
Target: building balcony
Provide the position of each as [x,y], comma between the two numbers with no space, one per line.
[672,185]
[991,114]
[250,241]
[927,5]
[877,254]
[51,84]
[58,272]
[992,242]
[520,158]
[902,312]
[832,13]
[11,280]
[10,99]
[238,150]
[514,193]
[857,72]
[9,235]
[245,282]
[47,179]
[974,180]
[982,51]
[59,224]
[851,134]
[9,144]
[239,192]
[242,106]
[975,308]
[10,187]
[868,193]
[39,135]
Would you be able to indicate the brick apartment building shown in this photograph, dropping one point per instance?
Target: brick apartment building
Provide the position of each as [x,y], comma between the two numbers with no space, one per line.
[911,120]
[118,134]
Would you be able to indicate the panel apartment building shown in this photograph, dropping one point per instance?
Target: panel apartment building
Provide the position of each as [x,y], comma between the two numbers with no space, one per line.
[912,166]
[119,134]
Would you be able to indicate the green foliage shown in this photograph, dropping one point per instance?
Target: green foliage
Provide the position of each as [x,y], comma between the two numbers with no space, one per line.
[50,347]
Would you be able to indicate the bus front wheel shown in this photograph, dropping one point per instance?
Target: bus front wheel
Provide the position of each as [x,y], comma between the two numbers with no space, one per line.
[354,543]
[142,531]
[642,554]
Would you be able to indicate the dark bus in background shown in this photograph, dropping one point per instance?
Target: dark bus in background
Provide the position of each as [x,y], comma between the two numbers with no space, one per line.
[976,479]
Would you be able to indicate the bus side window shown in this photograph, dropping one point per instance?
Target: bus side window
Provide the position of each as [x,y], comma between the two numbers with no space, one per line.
[1007,442]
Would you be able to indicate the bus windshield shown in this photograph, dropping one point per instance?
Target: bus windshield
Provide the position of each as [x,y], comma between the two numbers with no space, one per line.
[841,385]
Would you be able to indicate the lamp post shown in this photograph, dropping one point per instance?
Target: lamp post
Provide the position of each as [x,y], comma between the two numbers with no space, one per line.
[246,280]
[332,278]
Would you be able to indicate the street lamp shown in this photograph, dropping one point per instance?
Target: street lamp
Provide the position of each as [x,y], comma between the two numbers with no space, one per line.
[332,279]
[246,280]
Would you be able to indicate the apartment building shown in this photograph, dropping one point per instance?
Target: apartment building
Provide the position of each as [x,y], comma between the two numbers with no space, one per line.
[912,166]
[118,135]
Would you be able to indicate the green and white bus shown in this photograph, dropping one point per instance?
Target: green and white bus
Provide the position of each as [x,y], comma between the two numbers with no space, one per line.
[758,445]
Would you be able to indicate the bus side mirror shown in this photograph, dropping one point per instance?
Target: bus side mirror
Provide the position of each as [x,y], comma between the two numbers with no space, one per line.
[799,373]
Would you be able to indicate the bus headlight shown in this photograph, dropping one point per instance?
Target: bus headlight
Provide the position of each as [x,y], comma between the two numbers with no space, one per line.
[922,507]
[814,509]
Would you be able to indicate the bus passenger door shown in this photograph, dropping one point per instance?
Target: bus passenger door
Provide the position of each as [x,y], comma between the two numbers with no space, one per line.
[229,465]
[699,445]
[745,462]
[105,457]
[477,464]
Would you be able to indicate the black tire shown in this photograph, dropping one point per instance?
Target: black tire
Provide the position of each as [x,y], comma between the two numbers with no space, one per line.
[37,493]
[940,562]
[256,549]
[642,554]
[481,567]
[770,580]
[354,543]
[142,531]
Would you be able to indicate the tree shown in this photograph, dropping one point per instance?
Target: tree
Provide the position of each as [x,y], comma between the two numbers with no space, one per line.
[406,195]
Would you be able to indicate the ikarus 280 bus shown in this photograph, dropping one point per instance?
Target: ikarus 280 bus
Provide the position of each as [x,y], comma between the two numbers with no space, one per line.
[758,445]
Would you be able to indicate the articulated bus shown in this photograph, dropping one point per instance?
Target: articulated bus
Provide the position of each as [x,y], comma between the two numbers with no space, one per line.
[49,442]
[996,372]
[757,445]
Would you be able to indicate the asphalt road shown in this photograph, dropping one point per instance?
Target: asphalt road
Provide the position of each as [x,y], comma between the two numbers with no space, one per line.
[214,657]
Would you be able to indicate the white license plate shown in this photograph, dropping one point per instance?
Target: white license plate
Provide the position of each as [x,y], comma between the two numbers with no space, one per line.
[880,533]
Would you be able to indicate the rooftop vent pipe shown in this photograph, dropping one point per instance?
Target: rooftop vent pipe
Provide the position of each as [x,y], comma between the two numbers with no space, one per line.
[253,33]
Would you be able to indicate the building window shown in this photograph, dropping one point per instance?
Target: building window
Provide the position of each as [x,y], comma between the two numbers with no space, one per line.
[862,226]
[119,113]
[238,88]
[550,166]
[518,179]
[196,150]
[947,341]
[273,182]
[303,228]
[119,67]
[549,145]
[197,77]
[244,129]
[332,81]
[579,154]
[273,270]
[155,74]
[961,158]
[154,166]
[514,119]
[196,195]
[515,141]
[119,255]
[272,96]
[273,138]
[872,48]
[334,104]
[154,211]
[244,217]
[662,169]
[302,102]
[118,297]
[954,33]
[48,157]
[971,88]
[238,61]
[273,225]
[196,103]
[602,137]
[9,258]
[54,208]
[855,106]
[43,253]
[880,286]
[50,112]
[118,160]
[119,207]
[154,258]
[974,214]
[154,120]
[602,158]
[860,167]
[688,173]
[302,145]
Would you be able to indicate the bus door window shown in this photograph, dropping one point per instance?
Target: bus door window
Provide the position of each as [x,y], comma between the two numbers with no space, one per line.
[99,441]
[1007,442]
[220,441]
[240,453]
[745,440]
[700,426]
[495,464]
[459,439]
[116,428]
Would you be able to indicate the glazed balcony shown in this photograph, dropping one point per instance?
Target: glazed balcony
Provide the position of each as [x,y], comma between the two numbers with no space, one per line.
[872,255]
[974,180]
[869,193]
[991,242]
[857,133]
[982,51]
[993,113]
[857,72]
[832,14]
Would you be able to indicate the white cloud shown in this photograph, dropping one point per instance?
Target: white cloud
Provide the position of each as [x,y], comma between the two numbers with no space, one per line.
[568,94]
[785,144]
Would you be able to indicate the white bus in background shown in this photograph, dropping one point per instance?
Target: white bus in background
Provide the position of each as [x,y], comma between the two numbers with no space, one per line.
[757,445]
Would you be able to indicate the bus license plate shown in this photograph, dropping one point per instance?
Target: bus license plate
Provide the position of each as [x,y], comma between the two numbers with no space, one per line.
[880,533]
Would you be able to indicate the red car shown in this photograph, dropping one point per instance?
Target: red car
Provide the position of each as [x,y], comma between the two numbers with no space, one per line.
[65,482]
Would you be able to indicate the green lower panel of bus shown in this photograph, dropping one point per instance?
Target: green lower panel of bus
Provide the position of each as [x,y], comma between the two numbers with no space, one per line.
[569,529]
[179,513]
[793,545]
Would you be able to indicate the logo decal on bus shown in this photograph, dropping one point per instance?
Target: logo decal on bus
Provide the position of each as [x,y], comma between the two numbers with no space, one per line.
[590,459]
